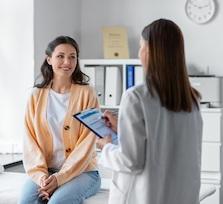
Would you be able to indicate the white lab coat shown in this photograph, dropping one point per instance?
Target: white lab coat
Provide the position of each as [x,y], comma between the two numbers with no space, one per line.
[159,154]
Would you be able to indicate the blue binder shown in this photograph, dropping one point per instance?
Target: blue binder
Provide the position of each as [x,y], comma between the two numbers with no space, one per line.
[130,76]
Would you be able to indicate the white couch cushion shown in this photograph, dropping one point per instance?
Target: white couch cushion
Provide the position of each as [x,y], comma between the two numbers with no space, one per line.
[11,185]
[10,188]
[100,198]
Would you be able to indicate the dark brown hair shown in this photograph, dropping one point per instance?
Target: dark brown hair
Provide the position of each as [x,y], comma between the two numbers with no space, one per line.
[78,77]
[166,72]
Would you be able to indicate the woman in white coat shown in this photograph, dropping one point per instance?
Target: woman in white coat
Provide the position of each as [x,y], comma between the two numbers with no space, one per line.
[158,157]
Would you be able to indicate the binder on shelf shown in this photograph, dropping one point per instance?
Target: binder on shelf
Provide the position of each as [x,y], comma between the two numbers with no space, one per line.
[100,84]
[97,80]
[130,76]
[113,86]
[90,71]
[139,76]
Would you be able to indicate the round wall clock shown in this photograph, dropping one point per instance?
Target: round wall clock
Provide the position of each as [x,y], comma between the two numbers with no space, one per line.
[200,11]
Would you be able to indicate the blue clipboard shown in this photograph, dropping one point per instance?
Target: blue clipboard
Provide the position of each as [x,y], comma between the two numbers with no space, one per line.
[92,119]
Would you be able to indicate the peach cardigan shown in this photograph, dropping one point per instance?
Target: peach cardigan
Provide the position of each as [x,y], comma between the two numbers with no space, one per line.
[79,142]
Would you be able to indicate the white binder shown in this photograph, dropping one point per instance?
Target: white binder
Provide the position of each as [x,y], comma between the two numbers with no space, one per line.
[139,76]
[97,80]
[113,86]
[90,71]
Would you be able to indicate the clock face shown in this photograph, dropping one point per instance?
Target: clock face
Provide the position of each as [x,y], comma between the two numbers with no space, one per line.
[200,11]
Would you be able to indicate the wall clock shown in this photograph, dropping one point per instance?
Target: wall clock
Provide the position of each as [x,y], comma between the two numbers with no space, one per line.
[200,11]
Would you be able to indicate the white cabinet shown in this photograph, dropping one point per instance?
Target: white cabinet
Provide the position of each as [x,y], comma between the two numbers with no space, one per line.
[115,76]
[212,125]
[210,157]
[211,168]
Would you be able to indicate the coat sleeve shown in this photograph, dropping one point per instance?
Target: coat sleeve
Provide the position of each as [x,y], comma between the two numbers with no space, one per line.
[83,152]
[130,154]
[33,158]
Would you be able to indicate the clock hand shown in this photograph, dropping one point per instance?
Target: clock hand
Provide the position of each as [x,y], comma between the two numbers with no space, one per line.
[200,7]
[192,3]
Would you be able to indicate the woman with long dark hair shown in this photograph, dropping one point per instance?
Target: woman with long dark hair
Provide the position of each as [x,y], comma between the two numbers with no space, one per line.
[158,157]
[59,153]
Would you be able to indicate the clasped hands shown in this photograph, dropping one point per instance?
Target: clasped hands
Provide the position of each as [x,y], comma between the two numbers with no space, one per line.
[48,185]
[111,121]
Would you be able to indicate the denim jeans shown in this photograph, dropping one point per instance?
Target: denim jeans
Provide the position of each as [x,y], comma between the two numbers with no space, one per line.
[72,192]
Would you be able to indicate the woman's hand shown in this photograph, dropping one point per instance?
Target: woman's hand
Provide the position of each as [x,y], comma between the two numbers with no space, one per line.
[100,143]
[111,120]
[43,194]
[48,186]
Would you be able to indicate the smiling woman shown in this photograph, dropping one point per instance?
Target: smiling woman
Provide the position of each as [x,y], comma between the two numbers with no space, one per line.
[59,153]
[63,61]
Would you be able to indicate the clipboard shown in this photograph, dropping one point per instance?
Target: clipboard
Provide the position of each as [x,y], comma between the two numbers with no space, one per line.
[92,119]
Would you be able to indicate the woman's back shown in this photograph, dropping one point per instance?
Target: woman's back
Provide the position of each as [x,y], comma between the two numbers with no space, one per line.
[172,152]
[160,127]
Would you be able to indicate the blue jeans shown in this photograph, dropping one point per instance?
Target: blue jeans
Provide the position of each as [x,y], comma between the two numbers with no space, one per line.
[72,192]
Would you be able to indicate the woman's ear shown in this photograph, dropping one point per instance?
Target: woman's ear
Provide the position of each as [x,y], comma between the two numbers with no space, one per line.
[48,59]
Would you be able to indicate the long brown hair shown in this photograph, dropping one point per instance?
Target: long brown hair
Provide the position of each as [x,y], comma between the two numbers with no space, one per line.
[78,77]
[166,72]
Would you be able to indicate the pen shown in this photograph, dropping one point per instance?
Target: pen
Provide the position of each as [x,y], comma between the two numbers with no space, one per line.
[114,113]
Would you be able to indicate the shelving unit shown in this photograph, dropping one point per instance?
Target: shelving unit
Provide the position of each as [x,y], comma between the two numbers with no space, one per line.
[120,63]
[212,154]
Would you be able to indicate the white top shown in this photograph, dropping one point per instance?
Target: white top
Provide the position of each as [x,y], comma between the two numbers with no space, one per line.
[56,110]
[158,159]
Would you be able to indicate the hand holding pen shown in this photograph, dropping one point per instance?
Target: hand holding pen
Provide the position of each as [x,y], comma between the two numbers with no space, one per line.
[111,121]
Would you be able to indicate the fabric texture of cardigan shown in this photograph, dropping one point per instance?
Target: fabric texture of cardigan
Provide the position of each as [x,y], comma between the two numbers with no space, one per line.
[79,142]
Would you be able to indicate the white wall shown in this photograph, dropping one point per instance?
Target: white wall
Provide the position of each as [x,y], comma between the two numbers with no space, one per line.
[26,28]
[83,20]
[204,43]
[51,19]
[16,56]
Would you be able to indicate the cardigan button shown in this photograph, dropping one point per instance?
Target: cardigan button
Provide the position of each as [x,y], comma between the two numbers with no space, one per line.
[67,127]
[68,150]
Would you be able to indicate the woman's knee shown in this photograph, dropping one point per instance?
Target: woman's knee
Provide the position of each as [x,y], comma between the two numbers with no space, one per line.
[78,189]
[29,193]
[94,185]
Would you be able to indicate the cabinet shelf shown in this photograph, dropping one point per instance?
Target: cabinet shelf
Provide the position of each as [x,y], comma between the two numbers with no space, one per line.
[108,62]
[111,77]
